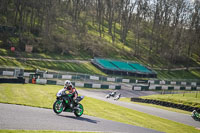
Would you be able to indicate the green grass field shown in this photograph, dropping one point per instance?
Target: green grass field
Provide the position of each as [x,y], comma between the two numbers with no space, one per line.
[44,96]
[187,98]
[179,74]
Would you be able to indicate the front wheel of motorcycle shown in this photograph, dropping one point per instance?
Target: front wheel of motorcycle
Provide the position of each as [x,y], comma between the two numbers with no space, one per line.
[58,107]
[78,112]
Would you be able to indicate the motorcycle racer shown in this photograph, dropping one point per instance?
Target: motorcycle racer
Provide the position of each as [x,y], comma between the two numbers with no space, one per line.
[72,90]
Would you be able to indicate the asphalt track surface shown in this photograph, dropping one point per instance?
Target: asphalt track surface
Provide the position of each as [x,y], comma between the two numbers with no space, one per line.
[174,116]
[32,118]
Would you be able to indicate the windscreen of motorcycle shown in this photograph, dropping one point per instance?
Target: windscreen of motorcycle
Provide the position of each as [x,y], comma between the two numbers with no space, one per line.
[60,92]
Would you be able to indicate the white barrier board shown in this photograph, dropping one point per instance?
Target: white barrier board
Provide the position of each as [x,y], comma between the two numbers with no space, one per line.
[8,73]
[66,76]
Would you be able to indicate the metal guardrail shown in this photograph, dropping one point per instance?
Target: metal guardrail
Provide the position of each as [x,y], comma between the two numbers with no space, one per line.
[14,71]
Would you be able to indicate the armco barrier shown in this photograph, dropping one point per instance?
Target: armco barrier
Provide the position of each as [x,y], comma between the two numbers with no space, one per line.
[112,79]
[86,85]
[51,82]
[83,77]
[166,104]
[78,84]
[12,80]
[146,88]
[105,86]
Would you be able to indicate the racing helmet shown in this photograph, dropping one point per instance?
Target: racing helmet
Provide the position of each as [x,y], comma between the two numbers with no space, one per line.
[67,83]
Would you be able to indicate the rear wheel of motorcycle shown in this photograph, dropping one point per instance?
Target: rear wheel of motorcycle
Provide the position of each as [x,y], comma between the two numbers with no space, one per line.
[58,107]
[79,112]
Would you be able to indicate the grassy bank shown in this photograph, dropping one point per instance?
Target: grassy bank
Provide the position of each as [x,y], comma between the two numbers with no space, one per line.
[179,74]
[87,68]
[44,96]
[186,98]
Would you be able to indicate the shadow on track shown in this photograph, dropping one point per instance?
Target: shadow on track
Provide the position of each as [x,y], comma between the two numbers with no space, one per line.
[81,119]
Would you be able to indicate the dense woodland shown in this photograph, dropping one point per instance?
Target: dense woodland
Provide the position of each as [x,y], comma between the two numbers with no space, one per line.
[143,29]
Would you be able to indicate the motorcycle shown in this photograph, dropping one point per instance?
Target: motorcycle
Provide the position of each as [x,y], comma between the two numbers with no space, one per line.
[195,115]
[112,94]
[117,97]
[65,103]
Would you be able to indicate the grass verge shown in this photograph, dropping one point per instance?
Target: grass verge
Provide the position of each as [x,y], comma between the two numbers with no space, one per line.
[44,96]
[186,98]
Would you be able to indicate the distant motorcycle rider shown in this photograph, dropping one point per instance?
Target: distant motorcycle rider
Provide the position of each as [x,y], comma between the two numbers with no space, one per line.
[72,90]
